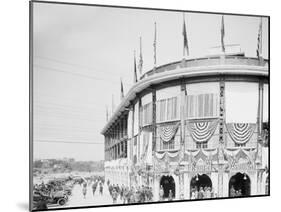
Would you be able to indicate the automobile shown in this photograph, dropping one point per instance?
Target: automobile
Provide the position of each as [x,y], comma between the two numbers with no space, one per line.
[58,197]
[61,185]
[67,189]
[54,197]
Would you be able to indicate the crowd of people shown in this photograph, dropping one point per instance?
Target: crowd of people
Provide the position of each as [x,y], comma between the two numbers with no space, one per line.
[162,194]
[95,183]
[235,192]
[131,194]
[202,193]
[50,192]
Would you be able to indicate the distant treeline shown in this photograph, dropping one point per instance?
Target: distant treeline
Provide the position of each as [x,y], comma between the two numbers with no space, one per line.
[68,165]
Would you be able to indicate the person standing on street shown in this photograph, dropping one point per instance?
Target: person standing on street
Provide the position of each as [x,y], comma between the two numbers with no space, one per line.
[84,190]
[161,193]
[114,196]
[101,189]
[170,197]
[94,187]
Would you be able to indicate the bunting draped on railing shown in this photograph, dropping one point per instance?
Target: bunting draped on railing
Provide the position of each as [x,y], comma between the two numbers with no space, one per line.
[202,131]
[168,132]
[162,155]
[201,152]
[240,133]
[241,153]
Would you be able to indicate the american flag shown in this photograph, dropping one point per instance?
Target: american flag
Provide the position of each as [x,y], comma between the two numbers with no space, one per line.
[222,34]
[122,90]
[259,47]
[185,41]
[135,69]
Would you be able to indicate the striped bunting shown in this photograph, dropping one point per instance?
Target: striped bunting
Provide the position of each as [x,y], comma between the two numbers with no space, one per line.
[240,133]
[168,132]
[202,131]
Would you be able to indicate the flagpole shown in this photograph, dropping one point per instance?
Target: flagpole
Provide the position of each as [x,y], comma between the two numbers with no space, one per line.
[122,90]
[183,36]
[185,40]
[135,68]
[259,42]
[140,59]
[261,39]
[222,34]
[154,45]
[261,58]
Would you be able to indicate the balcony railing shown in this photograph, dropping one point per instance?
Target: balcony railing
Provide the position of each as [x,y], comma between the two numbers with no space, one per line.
[209,61]
[172,145]
[213,143]
[252,143]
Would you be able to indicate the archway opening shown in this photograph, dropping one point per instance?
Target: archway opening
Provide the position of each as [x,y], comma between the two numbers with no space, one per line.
[167,183]
[201,187]
[239,185]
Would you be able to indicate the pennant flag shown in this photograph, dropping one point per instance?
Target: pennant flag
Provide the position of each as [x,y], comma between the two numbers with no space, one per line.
[135,69]
[122,91]
[185,41]
[259,47]
[154,43]
[140,60]
[222,34]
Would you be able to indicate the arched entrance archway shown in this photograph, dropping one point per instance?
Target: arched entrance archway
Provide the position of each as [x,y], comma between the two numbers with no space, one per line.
[200,187]
[168,183]
[239,185]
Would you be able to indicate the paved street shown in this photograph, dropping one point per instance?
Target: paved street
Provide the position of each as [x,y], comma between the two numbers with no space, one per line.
[77,199]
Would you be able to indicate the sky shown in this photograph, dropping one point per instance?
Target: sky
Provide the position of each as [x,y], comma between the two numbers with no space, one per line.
[82,52]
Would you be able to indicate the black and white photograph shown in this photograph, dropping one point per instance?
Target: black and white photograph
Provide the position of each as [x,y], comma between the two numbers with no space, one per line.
[139,105]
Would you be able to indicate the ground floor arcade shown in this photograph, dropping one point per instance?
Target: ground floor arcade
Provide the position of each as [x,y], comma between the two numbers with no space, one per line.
[209,185]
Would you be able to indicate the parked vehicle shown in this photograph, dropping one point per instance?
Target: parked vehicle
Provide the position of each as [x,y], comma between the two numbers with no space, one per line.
[53,197]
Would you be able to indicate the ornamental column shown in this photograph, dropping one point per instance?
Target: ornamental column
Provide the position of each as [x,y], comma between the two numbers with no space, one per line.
[221,136]
[155,175]
[182,113]
[182,141]
[259,122]
[153,121]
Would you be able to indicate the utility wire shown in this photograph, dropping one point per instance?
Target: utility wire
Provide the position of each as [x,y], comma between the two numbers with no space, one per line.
[65,142]
[92,69]
[77,74]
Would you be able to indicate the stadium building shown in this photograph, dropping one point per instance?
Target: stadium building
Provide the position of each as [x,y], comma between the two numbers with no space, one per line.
[194,123]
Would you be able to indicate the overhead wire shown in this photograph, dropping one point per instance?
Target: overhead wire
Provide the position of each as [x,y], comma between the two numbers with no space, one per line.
[66,142]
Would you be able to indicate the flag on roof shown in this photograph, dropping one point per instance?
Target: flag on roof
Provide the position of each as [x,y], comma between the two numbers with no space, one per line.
[259,47]
[140,60]
[122,91]
[222,34]
[185,41]
[135,69]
